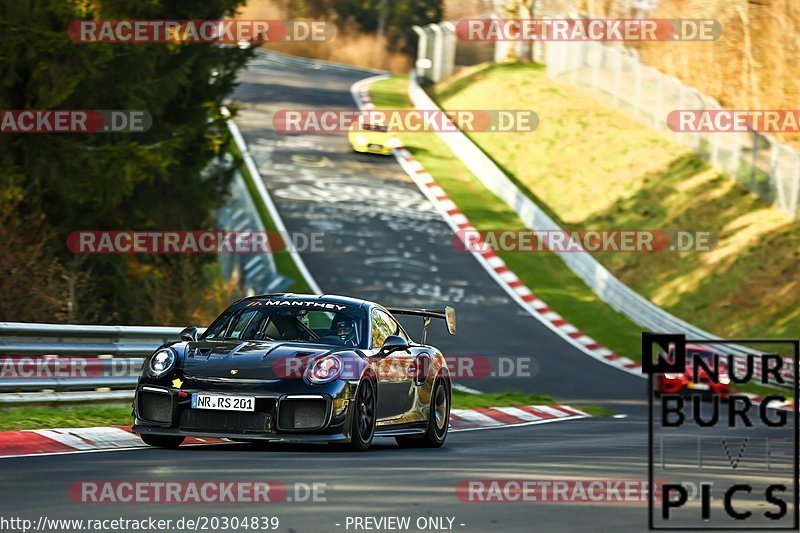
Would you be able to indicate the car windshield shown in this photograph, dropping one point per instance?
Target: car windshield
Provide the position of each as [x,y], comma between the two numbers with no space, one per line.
[340,325]
[375,127]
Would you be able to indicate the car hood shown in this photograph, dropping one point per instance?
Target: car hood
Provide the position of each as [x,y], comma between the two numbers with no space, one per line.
[250,359]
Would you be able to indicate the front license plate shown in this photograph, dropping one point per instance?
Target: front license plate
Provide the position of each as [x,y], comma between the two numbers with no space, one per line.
[375,147]
[223,403]
[699,386]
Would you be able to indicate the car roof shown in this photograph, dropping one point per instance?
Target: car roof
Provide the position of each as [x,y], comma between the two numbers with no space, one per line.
[328,298]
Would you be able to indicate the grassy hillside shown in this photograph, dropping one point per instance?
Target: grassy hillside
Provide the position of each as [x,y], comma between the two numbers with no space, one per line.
[593,168]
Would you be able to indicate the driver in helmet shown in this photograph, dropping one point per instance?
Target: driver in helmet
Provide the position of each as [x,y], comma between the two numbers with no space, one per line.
[344,329]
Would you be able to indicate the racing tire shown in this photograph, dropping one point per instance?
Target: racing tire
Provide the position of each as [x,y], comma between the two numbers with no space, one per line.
[438,420]
[362,428]
[162,441]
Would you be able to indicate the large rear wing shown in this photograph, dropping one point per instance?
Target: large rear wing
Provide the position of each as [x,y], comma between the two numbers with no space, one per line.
[448,314]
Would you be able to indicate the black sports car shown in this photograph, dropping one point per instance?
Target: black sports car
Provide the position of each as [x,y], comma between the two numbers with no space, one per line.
[291,367]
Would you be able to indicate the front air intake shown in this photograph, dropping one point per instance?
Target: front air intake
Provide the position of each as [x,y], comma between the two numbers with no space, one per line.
[302,414]
[155,407]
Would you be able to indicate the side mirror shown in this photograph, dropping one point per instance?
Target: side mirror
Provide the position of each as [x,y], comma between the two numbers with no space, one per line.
[189,334]
[393,343]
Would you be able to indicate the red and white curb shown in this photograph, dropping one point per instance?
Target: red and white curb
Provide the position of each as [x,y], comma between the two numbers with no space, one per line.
[497,417]
[98,439]
[77,440]
[491,262]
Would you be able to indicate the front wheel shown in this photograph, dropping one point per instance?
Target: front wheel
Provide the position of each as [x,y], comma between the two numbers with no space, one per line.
[162,441]
[438,420]
[363,417]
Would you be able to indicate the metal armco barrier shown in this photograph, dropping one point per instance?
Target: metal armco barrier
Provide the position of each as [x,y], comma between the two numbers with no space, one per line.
[75,363]
[17,338]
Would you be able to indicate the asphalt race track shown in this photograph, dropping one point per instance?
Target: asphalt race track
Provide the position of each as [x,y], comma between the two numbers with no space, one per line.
[385,242]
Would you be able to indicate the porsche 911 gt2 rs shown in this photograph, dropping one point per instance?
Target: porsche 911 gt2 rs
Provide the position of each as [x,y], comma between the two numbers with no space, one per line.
[306,368]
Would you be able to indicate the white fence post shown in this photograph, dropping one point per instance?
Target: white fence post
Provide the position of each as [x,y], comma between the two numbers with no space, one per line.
[775,173]
[422,51]
[438,52]
[450,44]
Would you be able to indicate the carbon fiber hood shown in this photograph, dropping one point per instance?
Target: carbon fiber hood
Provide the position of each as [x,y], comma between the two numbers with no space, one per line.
[249,359]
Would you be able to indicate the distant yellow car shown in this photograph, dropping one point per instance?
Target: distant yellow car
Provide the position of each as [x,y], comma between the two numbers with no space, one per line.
[371,138]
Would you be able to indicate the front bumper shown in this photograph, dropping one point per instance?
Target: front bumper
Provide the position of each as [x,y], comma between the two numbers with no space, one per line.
[280,415]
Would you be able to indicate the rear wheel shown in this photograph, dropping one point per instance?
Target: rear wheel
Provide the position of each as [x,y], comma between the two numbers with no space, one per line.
[162,441]
[438,420]
[363,418]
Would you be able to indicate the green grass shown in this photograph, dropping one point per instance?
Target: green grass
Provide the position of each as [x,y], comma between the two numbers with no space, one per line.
[283,260]
[596,410]
[466,400]
[64,417]
[544,273]
[591,167]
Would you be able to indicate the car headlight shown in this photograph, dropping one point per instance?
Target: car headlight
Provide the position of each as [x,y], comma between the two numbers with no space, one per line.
[161,363]
[325,369]
[394,142]
[724,379]
[361,140]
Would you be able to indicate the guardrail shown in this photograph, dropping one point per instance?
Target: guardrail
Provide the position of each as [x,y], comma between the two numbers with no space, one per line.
[74,363]
[17,338]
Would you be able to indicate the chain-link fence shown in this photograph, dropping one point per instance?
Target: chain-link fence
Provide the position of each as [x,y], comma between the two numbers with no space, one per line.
[757,161]
[615,76]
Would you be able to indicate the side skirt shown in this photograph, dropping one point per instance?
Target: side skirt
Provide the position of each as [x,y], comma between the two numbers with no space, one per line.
[401,429]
